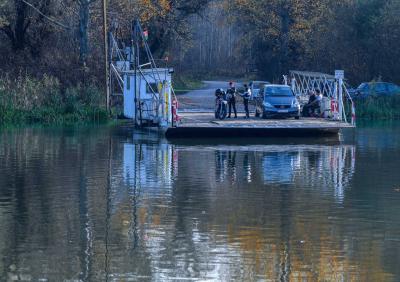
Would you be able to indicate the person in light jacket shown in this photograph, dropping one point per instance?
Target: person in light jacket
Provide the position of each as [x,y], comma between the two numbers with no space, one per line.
[246,97]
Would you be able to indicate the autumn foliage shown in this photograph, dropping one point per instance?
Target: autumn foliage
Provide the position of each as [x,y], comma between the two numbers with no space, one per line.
[264,38]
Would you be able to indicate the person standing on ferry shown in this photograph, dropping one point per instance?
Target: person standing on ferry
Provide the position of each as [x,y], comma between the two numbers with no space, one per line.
[231,97]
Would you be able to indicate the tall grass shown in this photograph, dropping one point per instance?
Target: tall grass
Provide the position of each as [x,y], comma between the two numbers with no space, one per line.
[29,100]
[374,107]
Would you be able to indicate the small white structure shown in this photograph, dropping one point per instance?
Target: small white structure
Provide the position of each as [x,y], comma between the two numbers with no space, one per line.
[147,96]
[146,89]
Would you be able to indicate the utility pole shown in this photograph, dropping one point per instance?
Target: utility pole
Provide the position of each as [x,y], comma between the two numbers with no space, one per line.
[135,48]
[135,63]
[106,65]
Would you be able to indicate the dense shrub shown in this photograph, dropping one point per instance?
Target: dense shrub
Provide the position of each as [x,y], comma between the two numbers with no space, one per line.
[374,107]
[28,100]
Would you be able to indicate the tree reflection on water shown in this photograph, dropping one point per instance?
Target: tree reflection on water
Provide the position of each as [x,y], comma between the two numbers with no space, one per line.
[110,207]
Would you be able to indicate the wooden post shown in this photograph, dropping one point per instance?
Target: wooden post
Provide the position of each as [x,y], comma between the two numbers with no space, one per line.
[106,65]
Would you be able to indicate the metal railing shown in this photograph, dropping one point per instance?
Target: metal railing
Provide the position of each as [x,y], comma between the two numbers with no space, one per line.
[303,82]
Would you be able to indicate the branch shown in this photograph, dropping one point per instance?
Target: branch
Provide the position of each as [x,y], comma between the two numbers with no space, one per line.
[47,17]
[8,31]
[27,25]
[72,10]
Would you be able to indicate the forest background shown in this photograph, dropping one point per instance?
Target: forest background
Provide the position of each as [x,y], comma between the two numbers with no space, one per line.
[52,50]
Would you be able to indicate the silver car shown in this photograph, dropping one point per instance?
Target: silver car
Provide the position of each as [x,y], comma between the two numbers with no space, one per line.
[277,101]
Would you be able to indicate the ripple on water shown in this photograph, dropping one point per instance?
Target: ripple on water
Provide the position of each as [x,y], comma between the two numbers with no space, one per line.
[91,205]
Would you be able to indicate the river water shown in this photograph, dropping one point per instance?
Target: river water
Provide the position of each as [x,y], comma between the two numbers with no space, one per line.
[107,204]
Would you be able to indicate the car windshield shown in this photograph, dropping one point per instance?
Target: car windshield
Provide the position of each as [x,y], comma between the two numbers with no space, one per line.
[278,91]
[363,86]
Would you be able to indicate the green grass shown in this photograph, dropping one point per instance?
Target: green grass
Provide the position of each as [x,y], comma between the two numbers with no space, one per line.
[186,83]
[26,100]
[375,107]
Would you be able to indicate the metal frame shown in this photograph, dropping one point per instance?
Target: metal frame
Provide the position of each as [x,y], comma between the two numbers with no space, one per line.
[302,82]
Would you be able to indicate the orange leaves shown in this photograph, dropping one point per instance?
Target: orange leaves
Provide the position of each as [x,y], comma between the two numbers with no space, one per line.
[165,5]
[150,9]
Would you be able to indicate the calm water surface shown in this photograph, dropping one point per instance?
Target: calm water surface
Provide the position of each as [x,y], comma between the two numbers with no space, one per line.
[100,204]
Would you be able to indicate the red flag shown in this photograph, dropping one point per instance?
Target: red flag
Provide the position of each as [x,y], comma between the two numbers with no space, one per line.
[146,34]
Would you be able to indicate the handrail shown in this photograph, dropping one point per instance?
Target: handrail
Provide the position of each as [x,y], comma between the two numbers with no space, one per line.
[151,88]
[119,78]
[114,69]
[115,46]
[353,108]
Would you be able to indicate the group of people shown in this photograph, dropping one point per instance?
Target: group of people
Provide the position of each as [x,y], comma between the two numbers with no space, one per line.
[231,95]
[311,109]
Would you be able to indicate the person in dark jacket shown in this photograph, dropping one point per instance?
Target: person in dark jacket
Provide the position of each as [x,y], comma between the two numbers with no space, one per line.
[308,107]
[246,97]
[231,97]
[313,107]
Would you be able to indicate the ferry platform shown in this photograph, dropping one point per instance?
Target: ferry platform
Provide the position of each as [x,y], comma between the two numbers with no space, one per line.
[203,125]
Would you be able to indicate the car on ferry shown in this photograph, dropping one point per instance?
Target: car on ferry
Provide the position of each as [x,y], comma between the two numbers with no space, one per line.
[277,101]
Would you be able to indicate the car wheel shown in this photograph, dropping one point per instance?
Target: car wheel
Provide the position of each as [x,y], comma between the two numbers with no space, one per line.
[297,117]
[257,114]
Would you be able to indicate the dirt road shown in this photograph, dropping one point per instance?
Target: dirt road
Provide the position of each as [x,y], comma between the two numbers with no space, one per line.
[203,99]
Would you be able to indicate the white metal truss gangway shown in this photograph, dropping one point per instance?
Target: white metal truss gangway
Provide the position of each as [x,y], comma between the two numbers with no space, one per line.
[148,96]
[338,101]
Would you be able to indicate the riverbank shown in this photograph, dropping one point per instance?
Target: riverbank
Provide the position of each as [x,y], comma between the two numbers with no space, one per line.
[375,108]
[26,100]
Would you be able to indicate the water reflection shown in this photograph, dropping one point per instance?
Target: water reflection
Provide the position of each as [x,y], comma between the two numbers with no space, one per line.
[317,166]
[280,167]
[94,205]
[147,166]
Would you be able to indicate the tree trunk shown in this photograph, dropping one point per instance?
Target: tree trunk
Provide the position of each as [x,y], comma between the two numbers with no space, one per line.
[83,31]
[18,39]
[284,38]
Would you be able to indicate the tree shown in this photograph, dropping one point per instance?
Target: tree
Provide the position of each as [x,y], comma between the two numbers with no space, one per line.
[19,23]
[387,36]
[276,31]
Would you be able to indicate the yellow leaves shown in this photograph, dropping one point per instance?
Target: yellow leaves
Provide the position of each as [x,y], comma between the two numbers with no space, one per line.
[272,19]
[151,9]
[147,10]
[165,5]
